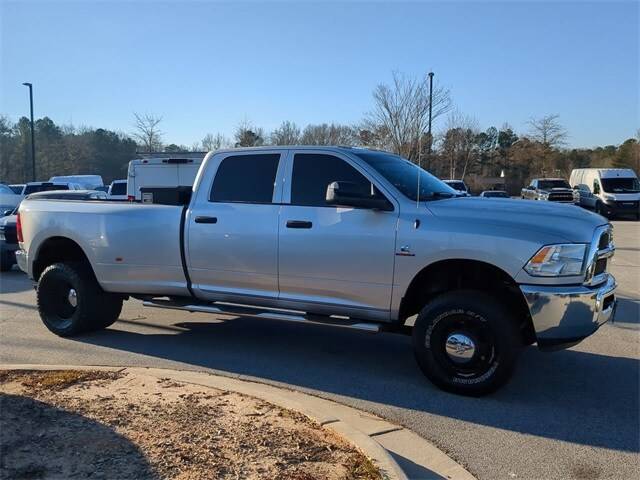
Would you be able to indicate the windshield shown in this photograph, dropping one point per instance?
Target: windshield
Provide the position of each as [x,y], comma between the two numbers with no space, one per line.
[5,189]
[620,185]
[44,187]
[549,184]
[119,188]
[406,176]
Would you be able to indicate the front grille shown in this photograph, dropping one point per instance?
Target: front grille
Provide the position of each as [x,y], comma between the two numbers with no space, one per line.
[601,266]
[626,205]
[605,240]
[561,197]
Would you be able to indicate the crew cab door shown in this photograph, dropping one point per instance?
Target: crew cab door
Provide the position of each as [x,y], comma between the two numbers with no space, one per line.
[333,260]
[232,228]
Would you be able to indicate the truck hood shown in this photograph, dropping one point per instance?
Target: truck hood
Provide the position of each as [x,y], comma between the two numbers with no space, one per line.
[565,222]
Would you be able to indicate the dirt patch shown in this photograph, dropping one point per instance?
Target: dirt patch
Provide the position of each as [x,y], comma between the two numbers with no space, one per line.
[89,424]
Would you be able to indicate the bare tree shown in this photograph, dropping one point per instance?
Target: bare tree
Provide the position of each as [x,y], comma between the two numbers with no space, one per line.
[212,142]
[147,133]
[288,133]
[329,134]
[550,134]
[548,131]
[247,135]
[401,113]
[459,143]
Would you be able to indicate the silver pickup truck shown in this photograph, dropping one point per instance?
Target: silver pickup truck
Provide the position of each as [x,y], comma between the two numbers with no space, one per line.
[347,237]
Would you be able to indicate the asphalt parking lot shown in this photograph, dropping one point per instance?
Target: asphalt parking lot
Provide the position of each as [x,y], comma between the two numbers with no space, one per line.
[569,414]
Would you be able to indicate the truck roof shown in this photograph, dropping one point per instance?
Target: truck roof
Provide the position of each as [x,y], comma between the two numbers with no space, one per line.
[336,148]
[610,172]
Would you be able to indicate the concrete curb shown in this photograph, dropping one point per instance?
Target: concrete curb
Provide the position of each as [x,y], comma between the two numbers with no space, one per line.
[399,453]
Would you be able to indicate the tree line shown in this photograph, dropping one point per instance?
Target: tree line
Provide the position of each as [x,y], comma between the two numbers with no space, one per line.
[397,122]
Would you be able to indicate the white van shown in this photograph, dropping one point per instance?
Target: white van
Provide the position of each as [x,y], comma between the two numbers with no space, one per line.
[87,182]
[160,172]
[609,191]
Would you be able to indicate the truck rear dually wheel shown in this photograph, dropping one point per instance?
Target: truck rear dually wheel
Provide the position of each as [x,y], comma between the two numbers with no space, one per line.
[70,301]
[466,342]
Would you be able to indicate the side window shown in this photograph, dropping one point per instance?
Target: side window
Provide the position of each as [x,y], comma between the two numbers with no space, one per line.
[245,179]
[312,174]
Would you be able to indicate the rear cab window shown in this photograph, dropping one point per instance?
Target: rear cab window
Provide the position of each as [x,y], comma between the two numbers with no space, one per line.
[245,179]
[119,188]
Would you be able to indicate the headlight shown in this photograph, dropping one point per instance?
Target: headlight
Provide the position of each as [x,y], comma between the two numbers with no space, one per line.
[543,196]
[557,261]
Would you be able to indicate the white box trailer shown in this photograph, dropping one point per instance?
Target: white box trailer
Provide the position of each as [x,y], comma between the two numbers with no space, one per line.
[161,172]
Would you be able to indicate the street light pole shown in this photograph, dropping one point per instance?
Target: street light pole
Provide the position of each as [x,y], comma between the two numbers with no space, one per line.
[430,112]
[33,138]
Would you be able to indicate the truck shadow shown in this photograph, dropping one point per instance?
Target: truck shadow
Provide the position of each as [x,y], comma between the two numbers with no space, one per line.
[551,395]
[40,440]
[14,281]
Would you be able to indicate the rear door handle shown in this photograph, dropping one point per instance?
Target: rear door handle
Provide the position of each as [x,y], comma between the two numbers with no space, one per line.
[299,224]
[204,219]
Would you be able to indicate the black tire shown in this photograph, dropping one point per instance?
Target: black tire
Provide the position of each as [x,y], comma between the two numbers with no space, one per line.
[600,211]
[94,308]
[478,317]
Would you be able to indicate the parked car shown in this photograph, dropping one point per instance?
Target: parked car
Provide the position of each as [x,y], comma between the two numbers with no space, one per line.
[608,191]
[33,187]
[335,236]
[8,241]
[494,194]
[8,200]
[459,186]
[118,190]
[86,182]
[160,172]
[8,234]
[549,189]
[17,188]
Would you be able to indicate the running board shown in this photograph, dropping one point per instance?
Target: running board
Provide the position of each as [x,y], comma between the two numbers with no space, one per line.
[220,308]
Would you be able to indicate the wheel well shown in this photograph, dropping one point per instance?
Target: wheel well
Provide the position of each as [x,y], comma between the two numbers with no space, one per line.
[460,274]
[57,249]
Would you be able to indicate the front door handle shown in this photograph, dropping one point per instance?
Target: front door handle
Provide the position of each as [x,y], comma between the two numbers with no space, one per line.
[299,224]
[205,219]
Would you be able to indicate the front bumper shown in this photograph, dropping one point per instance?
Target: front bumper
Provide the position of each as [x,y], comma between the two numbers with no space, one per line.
[564,315]
[621,208]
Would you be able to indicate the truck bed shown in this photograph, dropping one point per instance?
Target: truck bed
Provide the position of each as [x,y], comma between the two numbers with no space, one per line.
[133,247]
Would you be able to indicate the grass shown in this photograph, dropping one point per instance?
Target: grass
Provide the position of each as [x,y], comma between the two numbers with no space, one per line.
[54,379]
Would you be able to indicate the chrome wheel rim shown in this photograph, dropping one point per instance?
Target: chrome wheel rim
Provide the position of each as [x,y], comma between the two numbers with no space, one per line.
[460,348]
[72,297]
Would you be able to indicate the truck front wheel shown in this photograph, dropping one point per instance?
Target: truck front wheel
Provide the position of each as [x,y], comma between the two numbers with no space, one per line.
[466,342]
[70,301]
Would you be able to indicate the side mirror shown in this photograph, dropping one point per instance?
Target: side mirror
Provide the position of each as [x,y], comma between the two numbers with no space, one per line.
[350,194]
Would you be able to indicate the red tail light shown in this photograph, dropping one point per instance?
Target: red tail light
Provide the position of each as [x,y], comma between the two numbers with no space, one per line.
[19,229]
[131,198]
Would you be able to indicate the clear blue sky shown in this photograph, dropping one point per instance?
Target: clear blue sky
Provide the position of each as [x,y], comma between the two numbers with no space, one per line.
[205,66]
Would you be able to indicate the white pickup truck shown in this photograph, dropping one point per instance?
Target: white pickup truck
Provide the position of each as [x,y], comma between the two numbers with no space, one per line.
[337,236]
